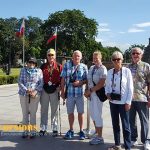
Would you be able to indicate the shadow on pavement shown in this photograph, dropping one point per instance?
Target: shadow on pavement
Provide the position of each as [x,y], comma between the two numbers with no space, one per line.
[48,143]
[16,142]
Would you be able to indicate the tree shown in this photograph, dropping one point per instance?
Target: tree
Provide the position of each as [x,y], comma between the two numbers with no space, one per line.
[33,36]
[75,31]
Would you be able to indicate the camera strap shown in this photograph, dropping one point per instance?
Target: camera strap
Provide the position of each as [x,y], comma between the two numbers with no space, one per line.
[120,79]
[75,70]
[93,70]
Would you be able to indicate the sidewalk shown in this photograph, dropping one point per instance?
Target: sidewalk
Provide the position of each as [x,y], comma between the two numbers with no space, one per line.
[10,113]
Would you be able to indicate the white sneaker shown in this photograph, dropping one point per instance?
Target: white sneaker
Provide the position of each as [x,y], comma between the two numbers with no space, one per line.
[96,140]
[134,143]
[147,145]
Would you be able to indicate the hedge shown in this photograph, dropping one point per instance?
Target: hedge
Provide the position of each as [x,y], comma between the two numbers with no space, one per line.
[10,79]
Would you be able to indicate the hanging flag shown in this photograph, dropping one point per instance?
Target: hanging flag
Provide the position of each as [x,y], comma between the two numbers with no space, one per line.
[52,38]
[20,33]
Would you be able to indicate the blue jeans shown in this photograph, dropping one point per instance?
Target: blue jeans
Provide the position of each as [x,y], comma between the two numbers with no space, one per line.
[116,110]
[143,111]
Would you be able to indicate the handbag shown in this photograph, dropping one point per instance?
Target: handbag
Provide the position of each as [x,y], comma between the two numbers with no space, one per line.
[49,89]
[101,94]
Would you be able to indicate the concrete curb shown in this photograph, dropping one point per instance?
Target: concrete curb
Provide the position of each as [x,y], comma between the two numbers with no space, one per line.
[8,85]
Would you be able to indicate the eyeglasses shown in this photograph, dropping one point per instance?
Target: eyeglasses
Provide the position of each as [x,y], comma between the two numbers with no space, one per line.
[136,53]
[116,59]
[50,55]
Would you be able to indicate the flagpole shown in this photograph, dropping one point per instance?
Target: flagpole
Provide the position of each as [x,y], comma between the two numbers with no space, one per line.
[23,38]
[56,41]
[23,48]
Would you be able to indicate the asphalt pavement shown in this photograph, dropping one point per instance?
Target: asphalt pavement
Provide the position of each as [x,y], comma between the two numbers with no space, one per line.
[10,113]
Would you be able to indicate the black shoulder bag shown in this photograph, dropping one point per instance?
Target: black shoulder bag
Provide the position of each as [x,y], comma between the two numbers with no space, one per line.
[101,92]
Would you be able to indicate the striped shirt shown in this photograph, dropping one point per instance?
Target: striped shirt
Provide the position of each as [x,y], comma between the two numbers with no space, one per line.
[30,78]
[76,73]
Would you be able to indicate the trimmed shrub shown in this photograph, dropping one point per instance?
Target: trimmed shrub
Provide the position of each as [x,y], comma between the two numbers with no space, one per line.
[11,79]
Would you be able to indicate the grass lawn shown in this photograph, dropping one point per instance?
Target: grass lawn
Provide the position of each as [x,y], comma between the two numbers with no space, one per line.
[14,71]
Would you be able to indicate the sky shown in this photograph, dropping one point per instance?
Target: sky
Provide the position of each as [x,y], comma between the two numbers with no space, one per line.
[122,23]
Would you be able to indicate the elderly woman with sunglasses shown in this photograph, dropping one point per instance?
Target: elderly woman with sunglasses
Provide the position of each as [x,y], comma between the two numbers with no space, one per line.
[30,86]
[119,90]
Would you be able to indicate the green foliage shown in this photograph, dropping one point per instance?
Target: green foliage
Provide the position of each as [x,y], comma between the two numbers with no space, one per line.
[14,71]
[11,46]
[75,31]
[8,79]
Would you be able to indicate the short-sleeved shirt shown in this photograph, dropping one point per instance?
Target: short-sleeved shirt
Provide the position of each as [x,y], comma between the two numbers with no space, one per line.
[78,72]
[95,74]
[141,79]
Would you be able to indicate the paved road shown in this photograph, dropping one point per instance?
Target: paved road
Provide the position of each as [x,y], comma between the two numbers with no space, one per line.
[10,113]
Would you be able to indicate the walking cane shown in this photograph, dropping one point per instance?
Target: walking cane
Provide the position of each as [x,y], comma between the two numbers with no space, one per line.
[29,98]
[29,112]
[59,113]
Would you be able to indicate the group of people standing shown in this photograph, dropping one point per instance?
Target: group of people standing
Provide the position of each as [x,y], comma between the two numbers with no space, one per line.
[127,89]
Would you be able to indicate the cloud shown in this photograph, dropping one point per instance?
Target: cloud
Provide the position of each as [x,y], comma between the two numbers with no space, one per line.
[99,40]
[134,30]
[121,32]
[142,25]
[103,24]
[103,27]
[121,46]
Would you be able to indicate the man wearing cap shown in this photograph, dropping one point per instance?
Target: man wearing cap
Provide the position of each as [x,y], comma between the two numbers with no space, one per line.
[50,94]
[30,86]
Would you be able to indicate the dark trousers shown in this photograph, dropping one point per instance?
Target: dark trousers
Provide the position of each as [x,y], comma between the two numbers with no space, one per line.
[116,111]
[143,111]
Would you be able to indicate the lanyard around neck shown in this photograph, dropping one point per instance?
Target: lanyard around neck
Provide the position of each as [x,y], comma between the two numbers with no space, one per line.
[50,70]
[93,70]
[76,69]
[120,79]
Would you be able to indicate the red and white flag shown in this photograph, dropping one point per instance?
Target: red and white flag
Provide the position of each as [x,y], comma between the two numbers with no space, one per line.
[52,37]
[20,33]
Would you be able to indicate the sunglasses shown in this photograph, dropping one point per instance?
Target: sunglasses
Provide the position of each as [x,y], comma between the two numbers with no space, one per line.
[136,53]
[50,55]
[116,59]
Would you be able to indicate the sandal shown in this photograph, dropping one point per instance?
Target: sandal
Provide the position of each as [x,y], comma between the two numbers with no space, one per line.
[114,147]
